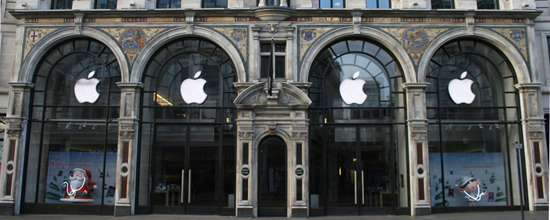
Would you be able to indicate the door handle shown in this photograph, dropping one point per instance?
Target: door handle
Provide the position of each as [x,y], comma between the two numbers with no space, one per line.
[355,184]
[363,186]
[189,188]
[182,185]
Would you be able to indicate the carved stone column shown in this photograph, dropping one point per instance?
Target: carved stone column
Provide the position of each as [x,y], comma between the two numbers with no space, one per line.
[126,149]
[418,148]
[534,146]
[18,107]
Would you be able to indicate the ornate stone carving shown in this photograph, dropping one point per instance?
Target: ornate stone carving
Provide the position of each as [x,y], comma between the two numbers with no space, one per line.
[536,135]
[78,23]
[126,134]
[299,135]
[272,127]
[246,135]
[13,133]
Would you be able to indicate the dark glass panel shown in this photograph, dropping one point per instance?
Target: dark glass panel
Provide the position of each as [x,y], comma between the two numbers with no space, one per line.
[280,47]
[279,67]
[442,4]
[340,48]
[264,65]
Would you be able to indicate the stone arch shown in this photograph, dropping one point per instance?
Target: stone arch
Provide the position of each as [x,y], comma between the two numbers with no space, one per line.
[32,60]
[288,95]
[164,37]
[388,41]
[513,55]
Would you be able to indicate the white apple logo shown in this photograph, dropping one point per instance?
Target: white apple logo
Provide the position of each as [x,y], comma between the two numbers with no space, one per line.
[460,90]
[351,90]
[85,89]
[192,90]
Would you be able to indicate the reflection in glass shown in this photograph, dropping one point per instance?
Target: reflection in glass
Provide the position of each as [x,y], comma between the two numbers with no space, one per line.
[66,134]
[190,146]
[352,157]
[472,140]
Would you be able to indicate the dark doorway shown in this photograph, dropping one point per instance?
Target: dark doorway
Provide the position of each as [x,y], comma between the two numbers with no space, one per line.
[272,177]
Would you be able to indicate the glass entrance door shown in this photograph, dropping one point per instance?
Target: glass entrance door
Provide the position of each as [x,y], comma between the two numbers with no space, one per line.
[359,169]
[272,177]
[342,171]
[186,170]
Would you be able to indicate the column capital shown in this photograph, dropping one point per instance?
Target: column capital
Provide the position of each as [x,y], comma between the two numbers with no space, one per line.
[21,85]
[416,85]
[528,86]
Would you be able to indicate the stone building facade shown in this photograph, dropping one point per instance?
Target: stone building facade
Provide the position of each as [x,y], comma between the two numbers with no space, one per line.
[373,107]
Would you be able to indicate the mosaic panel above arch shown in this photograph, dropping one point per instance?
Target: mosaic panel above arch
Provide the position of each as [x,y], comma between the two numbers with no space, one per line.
[132,40]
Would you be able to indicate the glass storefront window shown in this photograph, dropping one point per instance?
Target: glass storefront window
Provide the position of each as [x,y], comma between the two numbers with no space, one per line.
[72,146]
[356,135]
[187,150]
[472,126]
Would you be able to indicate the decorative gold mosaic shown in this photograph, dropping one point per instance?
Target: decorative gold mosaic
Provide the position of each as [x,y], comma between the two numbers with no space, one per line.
[308,36]
[34,35]
[239,36]
[516,36]
[415,40]
[132,40]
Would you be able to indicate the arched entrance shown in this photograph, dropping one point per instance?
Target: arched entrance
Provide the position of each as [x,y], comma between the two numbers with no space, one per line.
[272,178]
[188,130]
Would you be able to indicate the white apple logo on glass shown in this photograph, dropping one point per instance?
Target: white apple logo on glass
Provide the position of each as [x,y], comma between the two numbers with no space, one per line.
[85,89]
[460,90]
[351,90]
[192,90]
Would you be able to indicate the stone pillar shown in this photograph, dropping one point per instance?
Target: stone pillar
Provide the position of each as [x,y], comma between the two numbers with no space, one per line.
[289,50]
[534,146]
[245,173]
[418,148]
[14,142]
[127,148]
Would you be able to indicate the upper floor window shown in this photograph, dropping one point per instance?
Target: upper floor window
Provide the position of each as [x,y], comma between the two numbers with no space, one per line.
[331,3]
[442,4]
[169,4]
[278,58]
[62,4]
[487,4]
[273,2]
[105,4]
[378,4]
[214,4]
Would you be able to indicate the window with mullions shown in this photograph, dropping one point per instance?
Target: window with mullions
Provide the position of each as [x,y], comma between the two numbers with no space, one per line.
[168,3]
[188,130]
[73,126]
[487,4]
[214,3]
[473,115]
[442,4]
[331,3]
[357,117]
[378,4]
[62,4]
[279,53]
[105,4]
[273,2]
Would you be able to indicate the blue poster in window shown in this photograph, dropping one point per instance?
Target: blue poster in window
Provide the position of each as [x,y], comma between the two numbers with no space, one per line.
[487,167]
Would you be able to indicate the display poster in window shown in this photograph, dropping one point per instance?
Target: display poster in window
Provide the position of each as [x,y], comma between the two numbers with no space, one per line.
[487,167]
[62,164]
